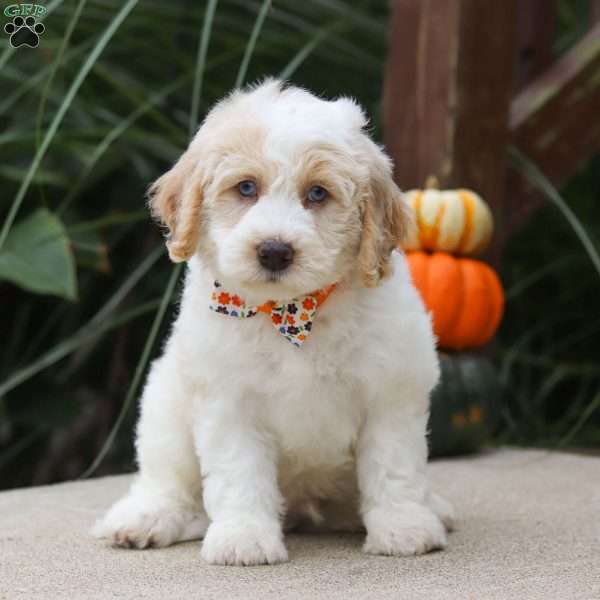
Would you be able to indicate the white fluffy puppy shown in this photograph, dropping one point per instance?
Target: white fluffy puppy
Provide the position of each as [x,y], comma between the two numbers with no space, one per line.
[242,433]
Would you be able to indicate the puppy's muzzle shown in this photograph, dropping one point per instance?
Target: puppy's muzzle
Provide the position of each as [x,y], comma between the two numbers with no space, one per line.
[275,255]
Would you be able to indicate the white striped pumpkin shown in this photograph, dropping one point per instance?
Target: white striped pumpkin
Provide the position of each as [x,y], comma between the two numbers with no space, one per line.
[455,221]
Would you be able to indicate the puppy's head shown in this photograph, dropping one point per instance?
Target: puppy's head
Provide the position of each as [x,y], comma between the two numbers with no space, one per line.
[282,193]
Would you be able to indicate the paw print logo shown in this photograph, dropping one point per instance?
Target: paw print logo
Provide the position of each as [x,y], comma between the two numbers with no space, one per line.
[24,32]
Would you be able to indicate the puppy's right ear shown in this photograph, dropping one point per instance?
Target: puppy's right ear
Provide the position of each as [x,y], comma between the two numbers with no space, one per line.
[386,218]
[175,199]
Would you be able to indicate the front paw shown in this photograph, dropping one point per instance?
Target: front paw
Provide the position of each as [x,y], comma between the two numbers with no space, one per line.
[244,542]
[405,530]
[145,522]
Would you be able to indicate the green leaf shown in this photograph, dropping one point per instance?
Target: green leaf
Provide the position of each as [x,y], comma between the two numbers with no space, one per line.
[37,256]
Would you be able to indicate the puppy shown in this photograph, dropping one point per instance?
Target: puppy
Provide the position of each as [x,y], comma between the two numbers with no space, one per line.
[294,387]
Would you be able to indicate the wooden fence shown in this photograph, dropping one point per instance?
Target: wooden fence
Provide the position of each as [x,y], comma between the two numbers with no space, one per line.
[467,78]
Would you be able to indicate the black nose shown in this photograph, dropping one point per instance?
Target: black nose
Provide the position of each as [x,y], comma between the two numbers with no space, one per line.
[275,255]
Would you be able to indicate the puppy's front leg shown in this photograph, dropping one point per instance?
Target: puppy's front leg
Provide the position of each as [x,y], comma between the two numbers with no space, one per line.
[241,497]
[396,505]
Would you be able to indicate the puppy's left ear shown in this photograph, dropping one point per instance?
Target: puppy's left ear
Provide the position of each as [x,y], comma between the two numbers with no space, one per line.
[386,218]
[175,199]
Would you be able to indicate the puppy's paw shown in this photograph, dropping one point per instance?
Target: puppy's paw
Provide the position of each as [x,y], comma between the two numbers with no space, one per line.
[244,542]
[406,530]
[443,509]
[145,523]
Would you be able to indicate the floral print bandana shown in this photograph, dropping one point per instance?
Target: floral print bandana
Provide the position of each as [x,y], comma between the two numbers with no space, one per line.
[293,319]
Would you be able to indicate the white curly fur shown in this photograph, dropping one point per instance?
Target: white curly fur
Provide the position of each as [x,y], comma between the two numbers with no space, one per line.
[241,434]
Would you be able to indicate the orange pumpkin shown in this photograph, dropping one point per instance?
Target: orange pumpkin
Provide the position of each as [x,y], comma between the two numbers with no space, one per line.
[464,296]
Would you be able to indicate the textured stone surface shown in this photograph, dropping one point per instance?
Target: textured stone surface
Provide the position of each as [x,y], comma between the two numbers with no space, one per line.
[528,528]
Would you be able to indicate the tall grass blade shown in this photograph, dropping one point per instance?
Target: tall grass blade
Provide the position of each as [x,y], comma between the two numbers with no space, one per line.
[120,218]
[11,453]
[537,178]
[128,285]
[136,94]
[94,327]
[64,348]
[55,66]
[260,19]
[308,49]
[524,284]
[139,370]
[33,80]
[66,103]
[583,418]
[114,134]
[201,63]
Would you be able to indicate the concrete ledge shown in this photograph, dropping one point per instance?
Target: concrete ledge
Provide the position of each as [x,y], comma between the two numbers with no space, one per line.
[529,528]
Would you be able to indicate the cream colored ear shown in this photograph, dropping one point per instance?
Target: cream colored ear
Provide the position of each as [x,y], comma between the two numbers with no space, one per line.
[175,199]
[386,219]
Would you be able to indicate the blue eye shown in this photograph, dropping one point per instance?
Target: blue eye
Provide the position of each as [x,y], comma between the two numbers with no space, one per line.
[317,194]
[247,188]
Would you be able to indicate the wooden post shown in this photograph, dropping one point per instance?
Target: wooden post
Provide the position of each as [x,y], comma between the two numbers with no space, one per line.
[448,85]
[417,89]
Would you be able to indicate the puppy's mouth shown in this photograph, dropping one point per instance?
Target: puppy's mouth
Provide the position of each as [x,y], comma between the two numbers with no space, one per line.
[276,276]
[273,285]
[265,278]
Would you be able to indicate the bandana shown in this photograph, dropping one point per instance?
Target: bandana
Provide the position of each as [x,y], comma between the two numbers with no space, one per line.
[292,319]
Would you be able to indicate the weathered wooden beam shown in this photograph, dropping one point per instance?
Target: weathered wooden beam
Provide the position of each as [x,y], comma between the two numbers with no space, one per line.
[447,91]
[536,25]
[555,122]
